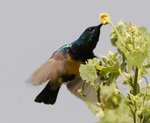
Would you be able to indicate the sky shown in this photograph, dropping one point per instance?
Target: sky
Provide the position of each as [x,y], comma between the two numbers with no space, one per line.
[30,31]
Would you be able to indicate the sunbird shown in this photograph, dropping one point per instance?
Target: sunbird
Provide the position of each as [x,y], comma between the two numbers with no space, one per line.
[63,67]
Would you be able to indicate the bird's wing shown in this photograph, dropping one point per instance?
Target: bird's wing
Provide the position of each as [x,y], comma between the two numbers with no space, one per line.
[88,94]
[50,70]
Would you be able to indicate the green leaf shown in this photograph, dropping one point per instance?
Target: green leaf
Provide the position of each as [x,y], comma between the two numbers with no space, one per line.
[116,116]
[110,96]
[146,62]
[146,113]
[139,57]
[88,71]
[106,70]
[94,108]
[145,92]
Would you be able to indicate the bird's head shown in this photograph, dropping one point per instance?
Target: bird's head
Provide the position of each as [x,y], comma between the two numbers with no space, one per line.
[89,38]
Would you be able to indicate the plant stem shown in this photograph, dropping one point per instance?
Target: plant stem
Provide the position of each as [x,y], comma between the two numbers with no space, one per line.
[135,114]
[127,102]
[119,70]
[146,80]
[134,117]
[119,36]
[133,38]
[136,86]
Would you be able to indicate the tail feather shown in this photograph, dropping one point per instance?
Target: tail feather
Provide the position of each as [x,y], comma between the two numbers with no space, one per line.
[48,95]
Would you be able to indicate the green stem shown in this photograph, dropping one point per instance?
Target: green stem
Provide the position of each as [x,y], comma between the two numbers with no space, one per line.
[133,38]
[135,114]
[119,70]
[126,101]
[134,117]
[136,86]
[146,80]
[119,36]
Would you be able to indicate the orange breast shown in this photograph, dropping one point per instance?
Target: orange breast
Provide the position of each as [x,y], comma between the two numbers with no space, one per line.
[73,66]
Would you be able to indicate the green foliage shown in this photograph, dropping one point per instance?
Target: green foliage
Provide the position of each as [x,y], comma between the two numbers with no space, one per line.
[89,69]
[130,66]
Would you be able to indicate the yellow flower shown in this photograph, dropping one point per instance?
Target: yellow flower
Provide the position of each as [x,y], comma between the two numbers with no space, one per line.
[104,18]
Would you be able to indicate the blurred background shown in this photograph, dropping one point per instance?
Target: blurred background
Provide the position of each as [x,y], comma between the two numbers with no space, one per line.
[30,31]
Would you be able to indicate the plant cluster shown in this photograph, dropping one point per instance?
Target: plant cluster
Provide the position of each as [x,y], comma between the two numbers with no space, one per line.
[129,66]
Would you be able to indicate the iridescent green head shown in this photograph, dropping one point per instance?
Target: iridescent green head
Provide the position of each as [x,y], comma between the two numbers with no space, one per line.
[90,36]
[86,43]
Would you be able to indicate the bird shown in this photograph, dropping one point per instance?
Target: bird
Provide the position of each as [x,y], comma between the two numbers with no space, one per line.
[63,68]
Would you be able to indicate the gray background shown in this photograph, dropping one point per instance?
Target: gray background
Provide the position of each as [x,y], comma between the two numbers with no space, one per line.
[30,31]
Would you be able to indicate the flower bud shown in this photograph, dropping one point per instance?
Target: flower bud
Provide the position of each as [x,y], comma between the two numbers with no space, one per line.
[104,18]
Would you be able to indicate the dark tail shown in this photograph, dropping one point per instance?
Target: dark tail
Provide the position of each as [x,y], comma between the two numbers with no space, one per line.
[48,95]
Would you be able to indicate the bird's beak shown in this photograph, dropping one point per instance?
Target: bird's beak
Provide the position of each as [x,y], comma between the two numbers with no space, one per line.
[97,28]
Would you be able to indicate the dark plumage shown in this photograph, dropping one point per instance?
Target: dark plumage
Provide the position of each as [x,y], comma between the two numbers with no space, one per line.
[63,66]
